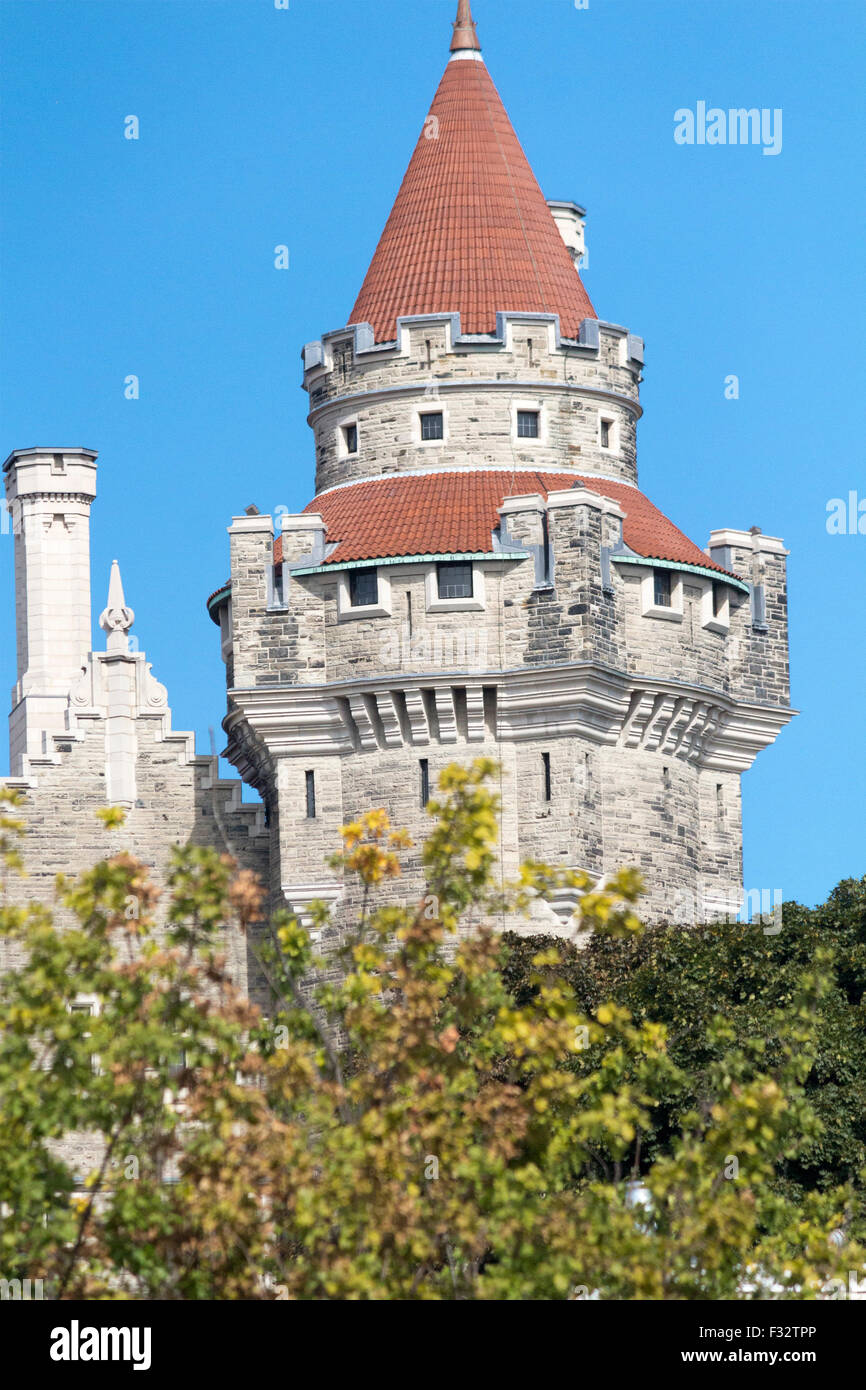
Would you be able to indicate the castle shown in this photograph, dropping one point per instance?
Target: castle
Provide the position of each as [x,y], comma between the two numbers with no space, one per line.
[477,573]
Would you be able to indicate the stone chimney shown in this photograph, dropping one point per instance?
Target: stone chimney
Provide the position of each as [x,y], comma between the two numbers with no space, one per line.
[49,494]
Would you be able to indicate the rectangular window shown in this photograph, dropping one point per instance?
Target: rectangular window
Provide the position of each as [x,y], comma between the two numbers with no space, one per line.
[278,592]
[311,795]
[545,776]
[363,587]
[78,1006]
[425,781]
[718,598]
[662,588]
[605,433]
[177,1062]
[527,424]
[433,426]
[454,579]
[350,439]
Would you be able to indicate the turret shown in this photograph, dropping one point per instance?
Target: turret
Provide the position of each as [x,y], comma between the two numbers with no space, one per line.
[478,570]
[49,495]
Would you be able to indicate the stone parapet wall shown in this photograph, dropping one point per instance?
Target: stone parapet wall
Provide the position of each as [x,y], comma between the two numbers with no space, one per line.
[478,387]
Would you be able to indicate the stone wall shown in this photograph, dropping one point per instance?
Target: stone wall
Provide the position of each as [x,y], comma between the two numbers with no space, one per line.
[178,803]
[647,719]
[478,388]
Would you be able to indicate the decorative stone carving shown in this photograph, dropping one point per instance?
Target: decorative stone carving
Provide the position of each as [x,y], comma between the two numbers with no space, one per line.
[116,619]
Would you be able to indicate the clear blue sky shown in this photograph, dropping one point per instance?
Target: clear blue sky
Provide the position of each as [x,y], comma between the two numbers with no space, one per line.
[261,126]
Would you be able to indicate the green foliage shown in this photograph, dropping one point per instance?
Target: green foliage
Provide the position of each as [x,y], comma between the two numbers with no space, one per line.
[718,986]
[447,1115]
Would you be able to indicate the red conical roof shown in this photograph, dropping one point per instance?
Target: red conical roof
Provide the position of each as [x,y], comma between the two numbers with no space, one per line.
[470,231]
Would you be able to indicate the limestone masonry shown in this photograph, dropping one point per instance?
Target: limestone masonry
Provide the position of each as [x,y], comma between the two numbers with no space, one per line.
[477,573]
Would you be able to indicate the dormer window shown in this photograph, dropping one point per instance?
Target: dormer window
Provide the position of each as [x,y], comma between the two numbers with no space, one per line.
[662,588]
[454,579]
[716,606]
[661,594]
[350,438]
[363,588]
[432,426]
[527,424]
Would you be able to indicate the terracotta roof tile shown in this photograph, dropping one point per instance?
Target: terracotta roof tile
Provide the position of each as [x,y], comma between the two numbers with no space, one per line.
[470,231]
[455,513]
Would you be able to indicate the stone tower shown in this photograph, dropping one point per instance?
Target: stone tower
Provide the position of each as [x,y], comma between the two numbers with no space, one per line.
[49,494]
[478,571]
[90,728]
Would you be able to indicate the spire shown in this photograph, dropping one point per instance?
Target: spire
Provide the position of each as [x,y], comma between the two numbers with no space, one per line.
[116,619]
[465,36]
[470,231]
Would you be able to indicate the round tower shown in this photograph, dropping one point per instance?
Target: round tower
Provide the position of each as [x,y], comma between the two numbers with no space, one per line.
[478,570]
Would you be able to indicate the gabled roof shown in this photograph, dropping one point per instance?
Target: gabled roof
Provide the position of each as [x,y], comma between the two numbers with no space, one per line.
[455,514]
[470,231]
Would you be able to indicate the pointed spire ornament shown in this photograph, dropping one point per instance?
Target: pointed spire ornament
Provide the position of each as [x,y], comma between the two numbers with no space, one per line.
[116,619]
[465,35]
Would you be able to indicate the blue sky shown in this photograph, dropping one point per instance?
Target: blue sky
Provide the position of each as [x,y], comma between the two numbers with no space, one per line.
[261,126]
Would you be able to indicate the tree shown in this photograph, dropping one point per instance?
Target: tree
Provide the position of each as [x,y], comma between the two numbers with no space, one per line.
[686,978]
[403,1128]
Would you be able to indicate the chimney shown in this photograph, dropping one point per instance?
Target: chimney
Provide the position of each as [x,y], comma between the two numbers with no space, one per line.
[49,494]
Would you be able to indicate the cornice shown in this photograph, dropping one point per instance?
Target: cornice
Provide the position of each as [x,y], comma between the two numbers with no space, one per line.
[608,707]
[471,384]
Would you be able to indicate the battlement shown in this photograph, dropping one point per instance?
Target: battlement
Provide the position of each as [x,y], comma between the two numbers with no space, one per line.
[371,403]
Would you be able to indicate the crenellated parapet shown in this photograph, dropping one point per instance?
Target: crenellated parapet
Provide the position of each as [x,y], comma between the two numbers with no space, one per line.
[368,401]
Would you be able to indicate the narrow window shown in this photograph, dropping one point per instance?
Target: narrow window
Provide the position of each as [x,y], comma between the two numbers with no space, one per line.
[666,776]
[311,795]
[545,773]
[363,587]
[350,439]
[662,588]
[177,1062]
[454,579]
[425,781]
[278,586]
[527,424]
[433,425]
[718,597]
[605,433]
[78,1006]
[720,803]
